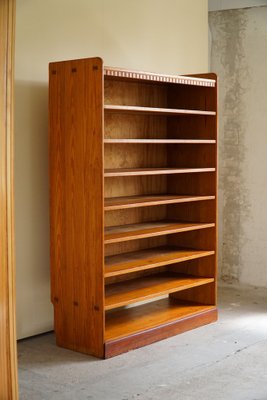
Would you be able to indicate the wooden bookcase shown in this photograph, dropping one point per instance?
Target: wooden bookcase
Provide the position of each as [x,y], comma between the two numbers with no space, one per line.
[133,205]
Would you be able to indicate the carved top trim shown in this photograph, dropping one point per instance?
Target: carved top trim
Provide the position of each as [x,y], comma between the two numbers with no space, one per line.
[151,76]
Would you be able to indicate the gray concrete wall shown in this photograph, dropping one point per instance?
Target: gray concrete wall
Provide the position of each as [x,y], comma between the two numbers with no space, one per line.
[216,5]
[239,57]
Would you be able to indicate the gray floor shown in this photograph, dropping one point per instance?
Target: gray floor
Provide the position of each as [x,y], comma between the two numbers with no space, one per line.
[226,360]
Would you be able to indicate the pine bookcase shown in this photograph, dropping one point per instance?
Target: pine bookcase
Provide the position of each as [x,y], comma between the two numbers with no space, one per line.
[133,205]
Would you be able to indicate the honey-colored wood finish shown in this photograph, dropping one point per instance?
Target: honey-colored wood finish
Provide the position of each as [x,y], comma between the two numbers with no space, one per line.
[138,326]
[134,290]
[131,320]
[8,352]
[140,231]
[152,139]
[118,203]
[149,258]
[76,203]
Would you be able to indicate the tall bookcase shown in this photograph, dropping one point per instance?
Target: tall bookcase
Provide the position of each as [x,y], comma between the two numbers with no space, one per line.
[133,205]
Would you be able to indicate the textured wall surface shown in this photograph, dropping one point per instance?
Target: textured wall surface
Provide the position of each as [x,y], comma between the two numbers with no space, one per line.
[239,57]
[216,5]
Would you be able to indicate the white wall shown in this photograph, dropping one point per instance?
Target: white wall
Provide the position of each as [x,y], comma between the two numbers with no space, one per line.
[238,55]
[163,36]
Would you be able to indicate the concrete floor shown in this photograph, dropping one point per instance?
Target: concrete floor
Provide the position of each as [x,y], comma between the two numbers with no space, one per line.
[226,360]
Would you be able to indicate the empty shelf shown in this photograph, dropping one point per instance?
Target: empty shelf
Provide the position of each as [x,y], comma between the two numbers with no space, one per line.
[123,233]
[135,290]
[117,203]
[153,171]
[155,110]
[121,323]
[150,258]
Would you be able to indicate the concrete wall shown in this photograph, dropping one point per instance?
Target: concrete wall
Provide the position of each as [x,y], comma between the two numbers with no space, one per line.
[216,5]
[239,57]
[169,36]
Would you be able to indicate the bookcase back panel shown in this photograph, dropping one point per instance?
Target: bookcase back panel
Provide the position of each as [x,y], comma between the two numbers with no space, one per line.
[193,127]
[191,97]
[135,93]
[135,156]
[135,126]
[201,267]
[135,215]
[198,295]
[192,156]
[198,211]
[134,245]
[195,184]
[135,185]
[138,274]
[159,95]
[199,239]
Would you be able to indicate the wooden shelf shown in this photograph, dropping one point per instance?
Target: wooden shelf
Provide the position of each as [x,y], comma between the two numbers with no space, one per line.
[153,171]
[135,290]
[150,258]
[155,111]
[115,234]
[118,203]
[159,141]
[129,321]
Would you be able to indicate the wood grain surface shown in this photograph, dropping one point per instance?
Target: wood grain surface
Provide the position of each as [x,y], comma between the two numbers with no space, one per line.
[118,203]
[76,203]
[146,143]
[149,229]
[120,323]
[8,350]
[150,258]
[139,326]
[134,290]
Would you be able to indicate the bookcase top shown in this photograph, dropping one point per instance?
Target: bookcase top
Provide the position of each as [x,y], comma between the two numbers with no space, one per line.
[122,73]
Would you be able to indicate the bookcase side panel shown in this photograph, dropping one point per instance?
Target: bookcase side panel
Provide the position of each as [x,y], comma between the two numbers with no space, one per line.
[76,203]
